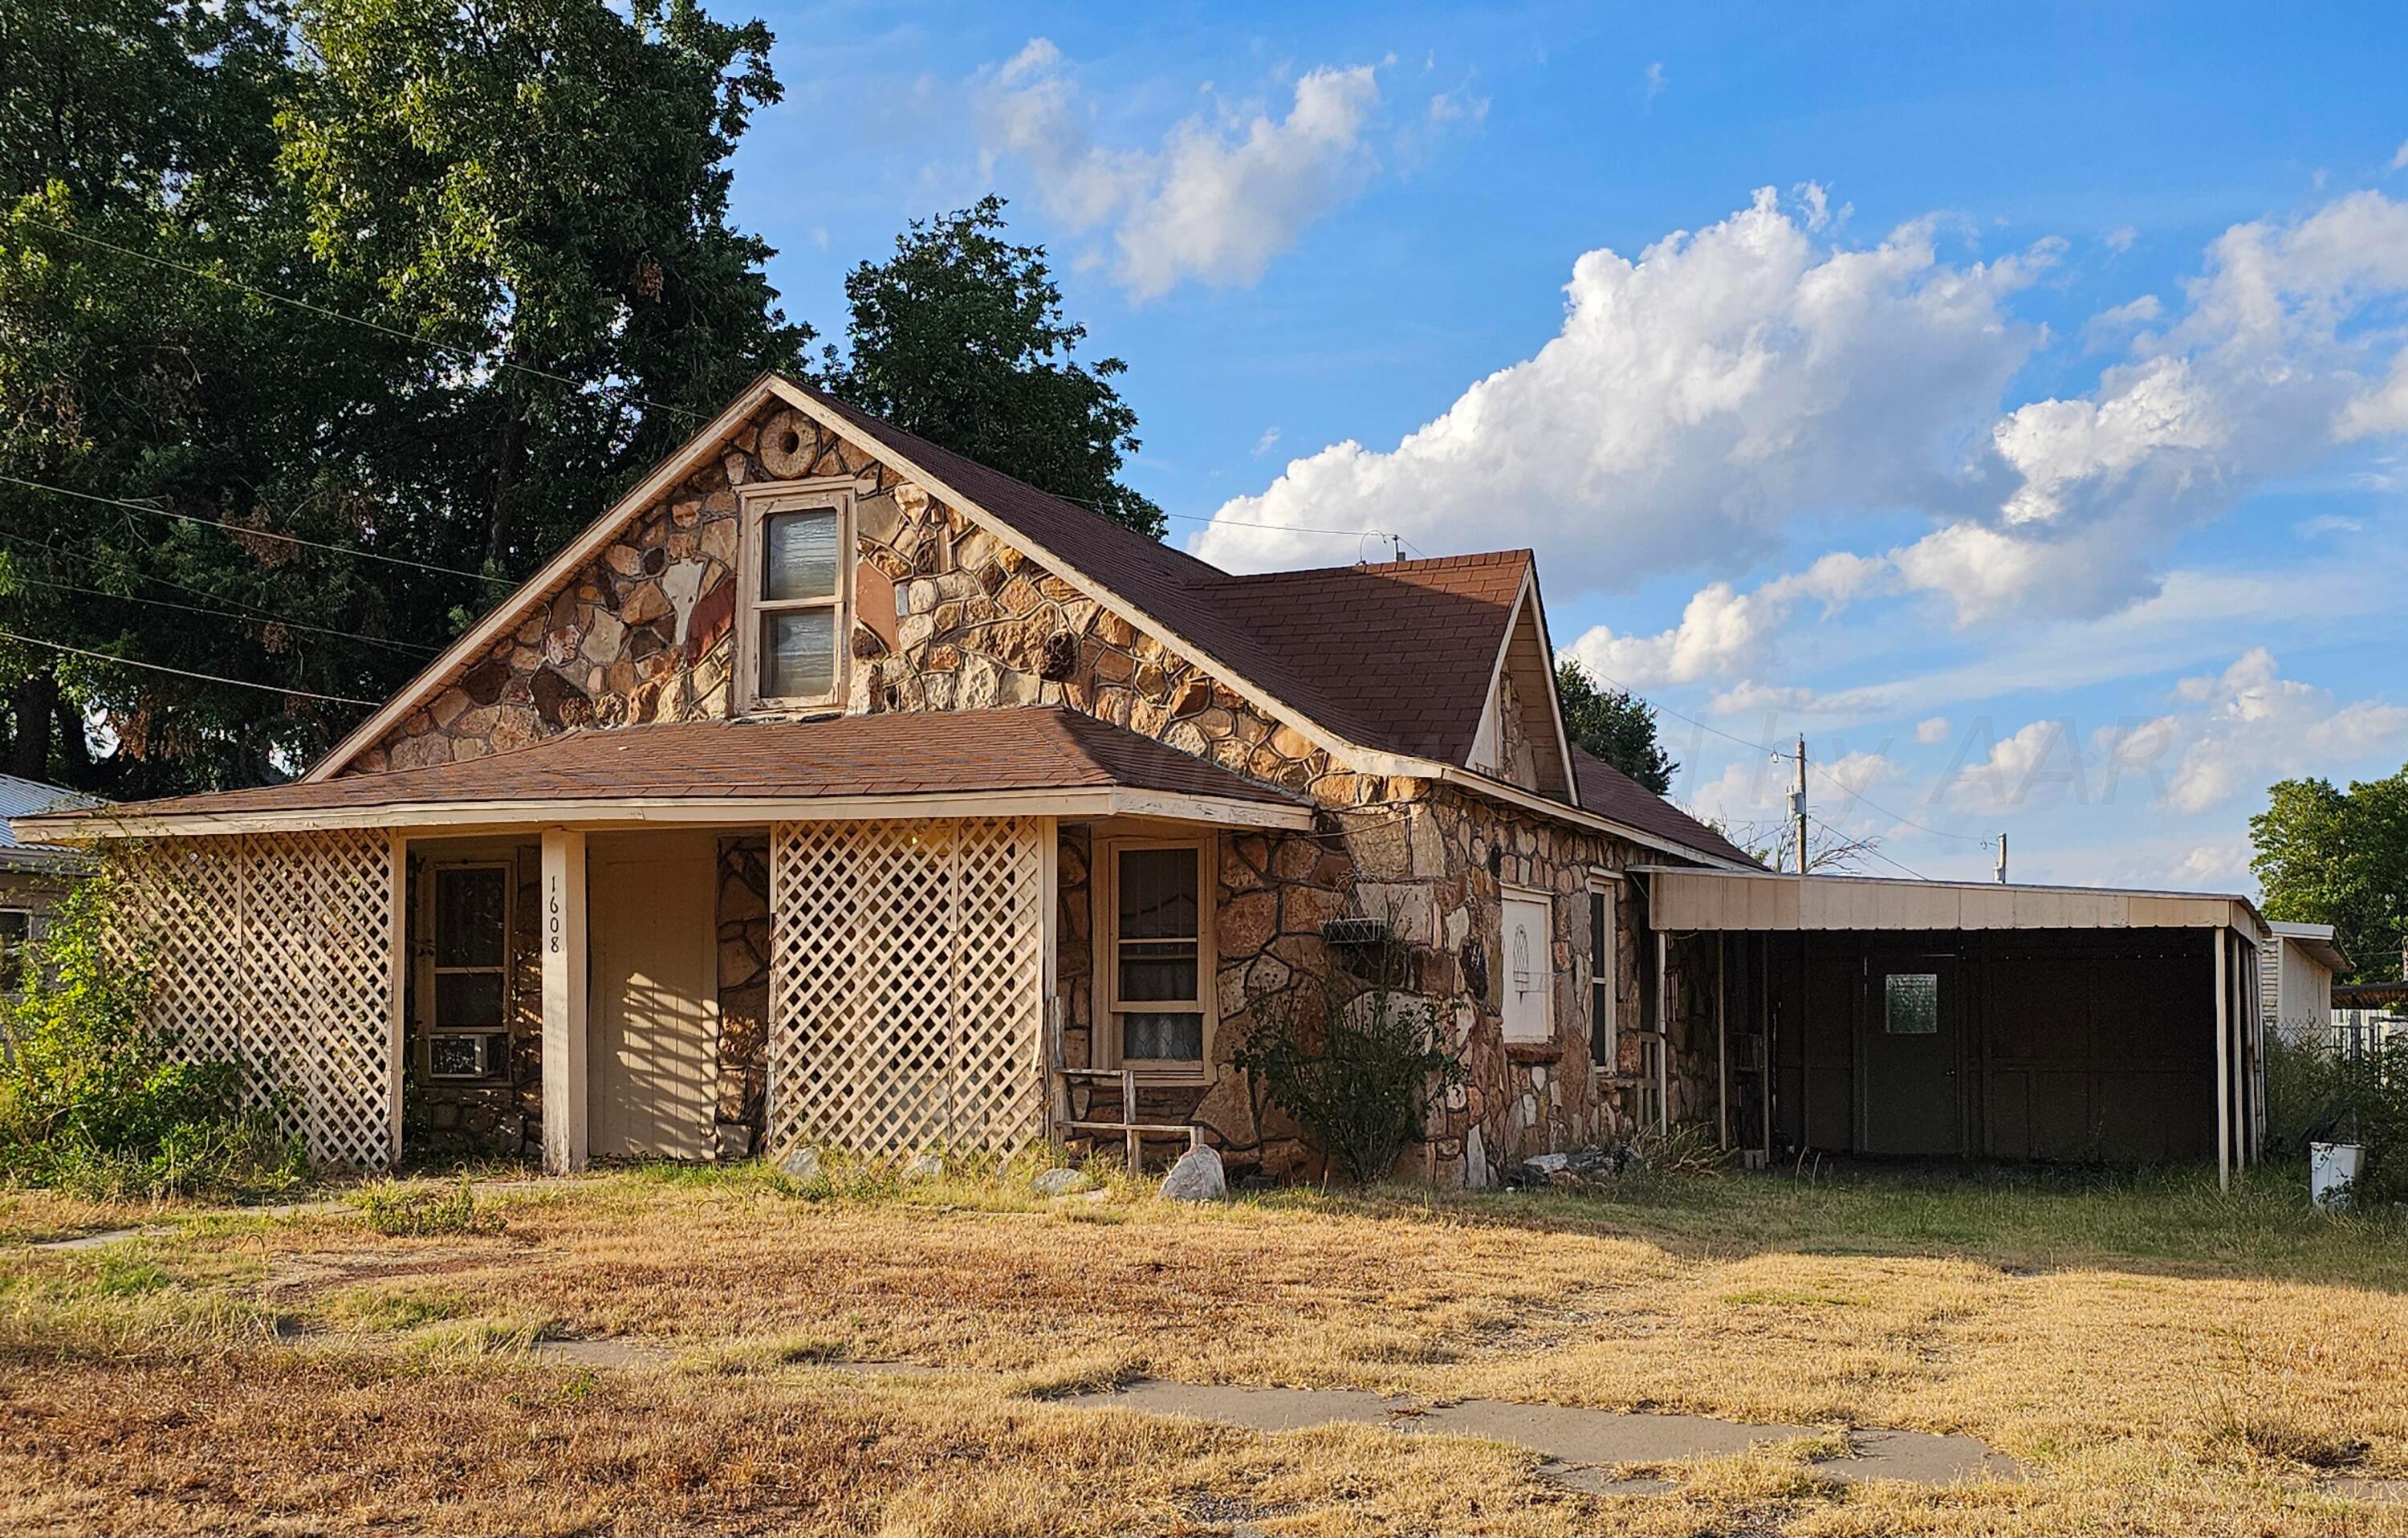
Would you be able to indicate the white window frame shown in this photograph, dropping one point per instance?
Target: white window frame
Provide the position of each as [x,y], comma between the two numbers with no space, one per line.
[756,505]
[430,915]
[1543,966]
[1106,929]
[13,964]
[1605,971]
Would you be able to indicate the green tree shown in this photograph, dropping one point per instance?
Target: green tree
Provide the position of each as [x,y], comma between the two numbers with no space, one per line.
[137,165]
[2327,856]
[1615,724]
[959,337]
[525,204]
[540,189]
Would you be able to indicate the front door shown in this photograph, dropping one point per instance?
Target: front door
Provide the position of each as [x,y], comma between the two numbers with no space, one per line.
[1910,1035]
[653,1056]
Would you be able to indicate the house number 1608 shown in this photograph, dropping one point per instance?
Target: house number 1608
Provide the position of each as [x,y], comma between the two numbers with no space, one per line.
[551,918]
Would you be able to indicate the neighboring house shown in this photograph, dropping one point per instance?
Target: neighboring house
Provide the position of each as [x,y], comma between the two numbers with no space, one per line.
[832,787]
[32,876]
[2295,988]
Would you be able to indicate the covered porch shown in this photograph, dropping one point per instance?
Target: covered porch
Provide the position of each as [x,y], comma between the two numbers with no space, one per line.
[693,940]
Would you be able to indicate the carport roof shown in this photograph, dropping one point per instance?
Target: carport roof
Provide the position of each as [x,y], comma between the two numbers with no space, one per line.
[1684,898]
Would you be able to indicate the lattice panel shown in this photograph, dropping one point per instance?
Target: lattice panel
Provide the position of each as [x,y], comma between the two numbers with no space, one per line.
[279,949]
[906,982]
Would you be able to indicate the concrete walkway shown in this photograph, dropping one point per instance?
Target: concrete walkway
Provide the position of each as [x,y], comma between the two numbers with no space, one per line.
[1583,1443]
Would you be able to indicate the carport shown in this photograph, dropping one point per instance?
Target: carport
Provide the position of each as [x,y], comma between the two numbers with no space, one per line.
[1927,1019]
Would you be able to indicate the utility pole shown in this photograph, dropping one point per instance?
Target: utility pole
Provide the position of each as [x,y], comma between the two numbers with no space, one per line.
[1798,803]
[2003,859]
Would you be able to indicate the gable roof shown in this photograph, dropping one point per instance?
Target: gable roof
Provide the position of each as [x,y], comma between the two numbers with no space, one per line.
[735,767]
[1610,793]
[1398,656]
[1270,647]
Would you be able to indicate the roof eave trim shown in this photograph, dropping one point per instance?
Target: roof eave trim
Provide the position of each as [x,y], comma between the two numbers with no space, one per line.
[672,810]
[572,556]
[1531,801]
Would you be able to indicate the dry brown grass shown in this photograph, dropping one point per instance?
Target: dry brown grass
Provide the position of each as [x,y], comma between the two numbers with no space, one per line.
[2159,1362]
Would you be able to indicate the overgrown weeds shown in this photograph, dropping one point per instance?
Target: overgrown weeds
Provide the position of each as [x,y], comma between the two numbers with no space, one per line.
[97,1102]
[416,1212]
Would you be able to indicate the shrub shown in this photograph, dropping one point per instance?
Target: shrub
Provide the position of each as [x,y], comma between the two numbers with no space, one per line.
[93,1100]
[2304,1093]
[1360,1074]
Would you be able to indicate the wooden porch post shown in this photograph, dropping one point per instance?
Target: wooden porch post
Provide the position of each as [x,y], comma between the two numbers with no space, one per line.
[1663,1035]
[1722,1042]
[2223,1066]
[564,1000]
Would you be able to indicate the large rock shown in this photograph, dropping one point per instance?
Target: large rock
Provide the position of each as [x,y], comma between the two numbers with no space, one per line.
[1196,1177]
[802,1165]
[1061,1183]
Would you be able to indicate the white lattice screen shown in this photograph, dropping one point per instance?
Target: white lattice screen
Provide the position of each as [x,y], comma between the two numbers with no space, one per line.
[279,949]
[906,983]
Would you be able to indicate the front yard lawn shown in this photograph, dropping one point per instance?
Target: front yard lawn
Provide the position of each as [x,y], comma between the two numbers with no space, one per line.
[2157,1357]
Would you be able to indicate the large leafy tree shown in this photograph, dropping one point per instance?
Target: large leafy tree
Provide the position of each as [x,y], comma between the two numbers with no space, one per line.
[361,306]
[1615,724]
[959,337]
[2328,855]
[183,420]
[540,187]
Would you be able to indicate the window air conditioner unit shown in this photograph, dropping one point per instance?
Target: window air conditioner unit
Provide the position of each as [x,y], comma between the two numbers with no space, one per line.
[464,1055]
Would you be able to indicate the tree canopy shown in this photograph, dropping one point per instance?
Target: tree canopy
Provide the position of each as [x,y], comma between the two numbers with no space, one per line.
[2328,855]
[959,337]
[322,323]
[1615,724]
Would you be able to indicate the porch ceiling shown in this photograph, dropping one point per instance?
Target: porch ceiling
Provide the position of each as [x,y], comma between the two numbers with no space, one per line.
[1038,760]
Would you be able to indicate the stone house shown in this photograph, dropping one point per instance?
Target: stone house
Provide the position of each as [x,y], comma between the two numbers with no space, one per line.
[832,787]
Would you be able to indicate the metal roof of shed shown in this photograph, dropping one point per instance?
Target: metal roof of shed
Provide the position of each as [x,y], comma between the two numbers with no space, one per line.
[1683,897]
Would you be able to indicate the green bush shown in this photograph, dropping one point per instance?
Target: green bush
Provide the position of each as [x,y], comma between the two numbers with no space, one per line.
[93,1100]
[1360,1074]
[2303,1094]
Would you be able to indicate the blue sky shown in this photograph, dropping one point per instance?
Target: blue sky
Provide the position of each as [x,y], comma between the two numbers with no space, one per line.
[2009,399]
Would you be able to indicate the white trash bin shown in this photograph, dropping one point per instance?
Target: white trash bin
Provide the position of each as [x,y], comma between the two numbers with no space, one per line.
[2332,1169]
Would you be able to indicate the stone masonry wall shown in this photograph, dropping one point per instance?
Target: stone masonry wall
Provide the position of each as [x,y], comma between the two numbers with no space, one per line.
[743,992]
[644,632]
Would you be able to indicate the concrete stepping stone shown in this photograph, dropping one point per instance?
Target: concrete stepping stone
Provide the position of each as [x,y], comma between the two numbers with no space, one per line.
[100,1241]
[1579,1444]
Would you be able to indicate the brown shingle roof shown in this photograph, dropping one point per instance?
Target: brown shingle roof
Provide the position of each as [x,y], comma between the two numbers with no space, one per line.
[1394,658]
[1400,654]
[1031,748]
[1612,794]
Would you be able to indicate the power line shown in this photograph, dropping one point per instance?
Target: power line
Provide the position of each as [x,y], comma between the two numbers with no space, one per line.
[235,531]
[229,614]
[1863,800]
[182,672]
[239,611]
[468,354]
[1865,847]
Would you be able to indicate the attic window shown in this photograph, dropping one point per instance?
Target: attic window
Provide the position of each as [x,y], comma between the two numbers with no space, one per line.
[799,553]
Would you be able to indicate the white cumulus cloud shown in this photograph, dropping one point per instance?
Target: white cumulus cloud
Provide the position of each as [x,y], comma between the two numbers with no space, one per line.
[1696,398]
[1217,200]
